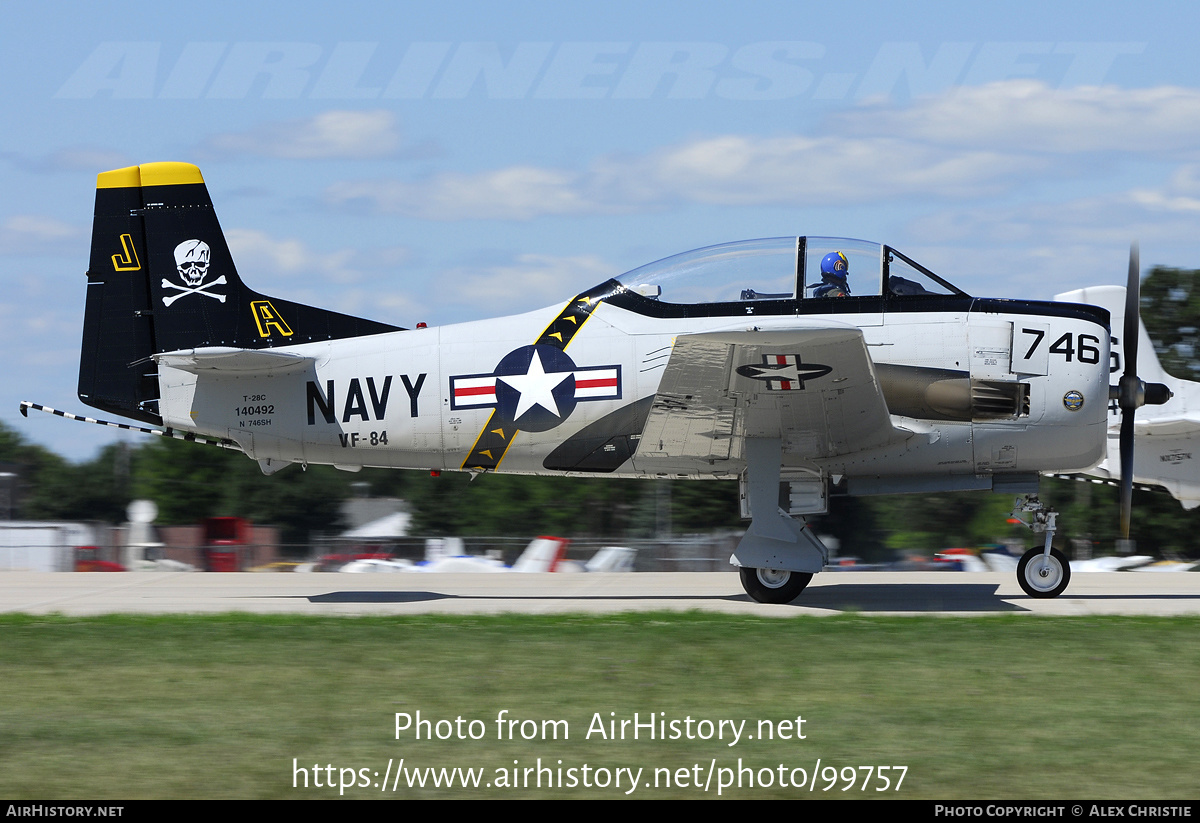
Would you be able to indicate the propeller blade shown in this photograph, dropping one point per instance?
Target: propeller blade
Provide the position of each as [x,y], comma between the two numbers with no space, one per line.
[1130,384]
[1133,308]
[1126,494]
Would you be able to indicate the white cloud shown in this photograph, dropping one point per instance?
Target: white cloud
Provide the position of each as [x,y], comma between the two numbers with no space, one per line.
[804,171]
[529,282]
[84,158]
[1112,220]
[726,170]
[1181,194]
[972,141]
[1028,115]
[36,234]
[329,135]
[259,255]
[1038,250]
[259,250]
[514,193]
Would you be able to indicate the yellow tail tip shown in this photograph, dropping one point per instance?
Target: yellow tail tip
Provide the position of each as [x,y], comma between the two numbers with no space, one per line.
[149,174]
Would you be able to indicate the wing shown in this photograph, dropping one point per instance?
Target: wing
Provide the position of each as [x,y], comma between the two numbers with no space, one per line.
[815,389]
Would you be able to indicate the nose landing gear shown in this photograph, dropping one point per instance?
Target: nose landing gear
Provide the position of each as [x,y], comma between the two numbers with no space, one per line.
[1044,572]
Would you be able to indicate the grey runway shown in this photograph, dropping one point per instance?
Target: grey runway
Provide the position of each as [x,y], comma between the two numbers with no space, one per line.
[955,593]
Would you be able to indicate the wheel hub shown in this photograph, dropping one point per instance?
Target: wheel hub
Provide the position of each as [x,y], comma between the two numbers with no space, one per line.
[773,578]
[1046,573]
[1042,576]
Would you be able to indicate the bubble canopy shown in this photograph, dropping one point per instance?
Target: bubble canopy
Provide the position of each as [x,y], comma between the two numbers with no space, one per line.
[781,268]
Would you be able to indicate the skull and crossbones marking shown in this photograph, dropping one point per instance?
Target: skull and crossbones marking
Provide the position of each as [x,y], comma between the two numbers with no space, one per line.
[191,261]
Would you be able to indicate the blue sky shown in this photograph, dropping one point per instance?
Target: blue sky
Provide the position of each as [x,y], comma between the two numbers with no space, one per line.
[417,163]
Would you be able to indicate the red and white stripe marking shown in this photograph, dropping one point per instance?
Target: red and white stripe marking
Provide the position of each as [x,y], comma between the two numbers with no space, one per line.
[473,391]
[592,384]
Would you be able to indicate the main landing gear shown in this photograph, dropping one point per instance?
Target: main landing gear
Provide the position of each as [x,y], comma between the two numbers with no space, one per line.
[777,555]
[1044,572]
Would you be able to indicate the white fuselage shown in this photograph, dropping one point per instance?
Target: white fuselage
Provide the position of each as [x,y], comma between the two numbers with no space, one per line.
[386,400]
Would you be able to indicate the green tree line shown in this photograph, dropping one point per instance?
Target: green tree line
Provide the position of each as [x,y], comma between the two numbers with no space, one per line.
[189,482]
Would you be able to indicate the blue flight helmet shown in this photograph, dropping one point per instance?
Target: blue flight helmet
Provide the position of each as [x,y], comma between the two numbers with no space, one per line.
[836,265]
[834,268]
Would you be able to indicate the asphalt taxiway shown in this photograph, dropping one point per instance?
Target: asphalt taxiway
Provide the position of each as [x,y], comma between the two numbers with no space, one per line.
[951,593]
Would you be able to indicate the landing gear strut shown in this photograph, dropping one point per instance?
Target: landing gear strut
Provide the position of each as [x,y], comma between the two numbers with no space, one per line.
[1044,572]
[777,555]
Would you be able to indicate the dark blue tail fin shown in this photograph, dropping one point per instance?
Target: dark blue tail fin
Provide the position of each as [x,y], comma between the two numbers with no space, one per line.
[161,278]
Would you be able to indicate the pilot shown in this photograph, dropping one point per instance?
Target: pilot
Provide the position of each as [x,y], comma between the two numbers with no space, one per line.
[834,268]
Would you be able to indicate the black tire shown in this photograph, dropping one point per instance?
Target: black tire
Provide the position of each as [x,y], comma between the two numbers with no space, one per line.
[1043,580]
[772,585]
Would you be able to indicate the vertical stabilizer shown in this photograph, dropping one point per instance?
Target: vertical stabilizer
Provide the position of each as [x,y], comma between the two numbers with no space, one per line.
[161,278]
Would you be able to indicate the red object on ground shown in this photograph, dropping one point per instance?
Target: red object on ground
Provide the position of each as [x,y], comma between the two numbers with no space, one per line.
[223,539]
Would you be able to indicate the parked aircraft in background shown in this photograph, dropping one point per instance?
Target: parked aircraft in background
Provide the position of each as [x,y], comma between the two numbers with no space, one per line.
[794,365]
[543,554]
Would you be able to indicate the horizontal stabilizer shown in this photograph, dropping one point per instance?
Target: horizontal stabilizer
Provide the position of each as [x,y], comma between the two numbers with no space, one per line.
[1188,425]
[234,361]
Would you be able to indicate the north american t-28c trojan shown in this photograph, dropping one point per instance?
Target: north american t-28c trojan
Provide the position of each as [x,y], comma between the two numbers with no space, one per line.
[746,361]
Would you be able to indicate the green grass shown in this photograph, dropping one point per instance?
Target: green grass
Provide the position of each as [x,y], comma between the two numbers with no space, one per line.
[993,707]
